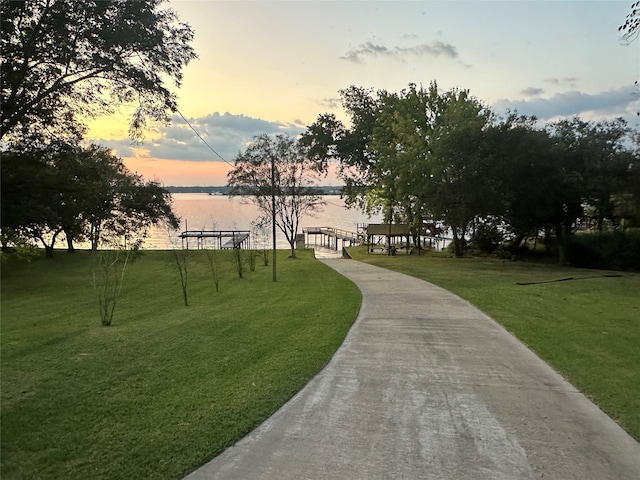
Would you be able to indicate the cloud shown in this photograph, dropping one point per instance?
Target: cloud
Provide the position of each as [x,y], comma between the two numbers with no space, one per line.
[561,82]
[434,49]
[612,103]
[532,91]
[331,103]
[227,135]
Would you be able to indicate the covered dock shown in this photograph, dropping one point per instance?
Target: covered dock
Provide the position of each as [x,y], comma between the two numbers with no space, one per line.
[216,239]
[396,236]
[329,237]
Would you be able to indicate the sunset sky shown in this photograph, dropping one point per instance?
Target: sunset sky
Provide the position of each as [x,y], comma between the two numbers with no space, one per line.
[268,67]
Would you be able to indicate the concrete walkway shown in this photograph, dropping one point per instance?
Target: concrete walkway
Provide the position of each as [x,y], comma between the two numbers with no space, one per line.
[425,386]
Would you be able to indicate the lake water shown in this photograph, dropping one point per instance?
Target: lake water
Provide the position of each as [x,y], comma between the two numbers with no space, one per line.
[200,211]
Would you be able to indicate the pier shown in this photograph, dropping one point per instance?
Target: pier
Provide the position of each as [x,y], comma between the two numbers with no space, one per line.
[329,237]
[222,239]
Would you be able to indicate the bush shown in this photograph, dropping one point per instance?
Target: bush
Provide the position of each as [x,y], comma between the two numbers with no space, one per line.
[611,251]
[487,238]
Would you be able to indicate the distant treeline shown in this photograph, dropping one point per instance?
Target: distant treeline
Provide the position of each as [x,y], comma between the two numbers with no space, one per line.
[224,190]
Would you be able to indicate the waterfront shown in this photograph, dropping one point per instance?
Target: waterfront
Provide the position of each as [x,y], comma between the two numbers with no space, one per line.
[200,211]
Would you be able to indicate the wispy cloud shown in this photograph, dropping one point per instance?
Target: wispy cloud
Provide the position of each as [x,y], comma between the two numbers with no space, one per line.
[562,82]
[331,103]
[622,102]
[532,91]
[368,49]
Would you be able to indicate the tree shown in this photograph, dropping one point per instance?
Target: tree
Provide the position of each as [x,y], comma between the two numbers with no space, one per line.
[627,200]
[30,194]
[293,181]
[108,276]
[462,189]
[631,26]
[63,61]
[87,193]
[606,162]
[412,154]
[521,169]
[328,139]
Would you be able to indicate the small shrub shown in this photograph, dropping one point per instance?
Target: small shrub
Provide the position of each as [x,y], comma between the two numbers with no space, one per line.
[621,251]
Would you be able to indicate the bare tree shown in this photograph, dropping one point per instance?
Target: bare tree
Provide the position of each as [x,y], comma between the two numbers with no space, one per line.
[275,173]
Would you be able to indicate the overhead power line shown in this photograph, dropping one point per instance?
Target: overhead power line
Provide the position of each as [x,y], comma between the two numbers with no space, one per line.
[203,140]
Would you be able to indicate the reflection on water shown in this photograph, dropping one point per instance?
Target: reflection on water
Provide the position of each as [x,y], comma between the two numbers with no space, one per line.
[200,211]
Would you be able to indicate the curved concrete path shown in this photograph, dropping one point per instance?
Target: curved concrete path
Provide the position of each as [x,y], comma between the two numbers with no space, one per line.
[425,386]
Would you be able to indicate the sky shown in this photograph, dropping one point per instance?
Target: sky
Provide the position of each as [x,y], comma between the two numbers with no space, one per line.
[274,66]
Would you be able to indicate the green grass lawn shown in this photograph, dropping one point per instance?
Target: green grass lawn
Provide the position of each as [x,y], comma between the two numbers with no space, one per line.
[588,328]
[166,387]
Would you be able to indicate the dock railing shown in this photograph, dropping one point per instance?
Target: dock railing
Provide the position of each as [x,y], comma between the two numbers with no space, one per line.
[332,231]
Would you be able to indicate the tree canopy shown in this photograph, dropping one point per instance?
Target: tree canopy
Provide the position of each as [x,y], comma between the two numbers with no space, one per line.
[423,156]
[64,61]
[87,194]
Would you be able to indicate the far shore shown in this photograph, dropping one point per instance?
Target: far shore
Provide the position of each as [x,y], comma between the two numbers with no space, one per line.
[224,190]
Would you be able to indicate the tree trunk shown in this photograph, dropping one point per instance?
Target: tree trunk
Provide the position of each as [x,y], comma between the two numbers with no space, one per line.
[458,244]
[70,247]
[518,241]
[48,249]
[561,240]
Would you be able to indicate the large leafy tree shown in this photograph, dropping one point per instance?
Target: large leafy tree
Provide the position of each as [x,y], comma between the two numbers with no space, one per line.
[414,154]
[603,149]
[329,139]
[64,61]
[83,193]
[280,170]
[423,154]
[30,200]
[462,189]
[522,171]
[404,164]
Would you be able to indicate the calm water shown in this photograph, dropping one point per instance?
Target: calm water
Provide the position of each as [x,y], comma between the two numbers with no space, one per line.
[200,211]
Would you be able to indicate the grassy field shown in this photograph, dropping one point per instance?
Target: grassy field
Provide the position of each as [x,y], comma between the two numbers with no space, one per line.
[166,387]
[587,328]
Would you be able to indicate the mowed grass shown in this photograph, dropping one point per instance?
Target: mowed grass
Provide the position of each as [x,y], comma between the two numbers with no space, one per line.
[166,387]
[588,328]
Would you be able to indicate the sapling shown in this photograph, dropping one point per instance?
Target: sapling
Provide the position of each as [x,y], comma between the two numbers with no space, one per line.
[239,261]
[181,257]
[212,257]
[107,281]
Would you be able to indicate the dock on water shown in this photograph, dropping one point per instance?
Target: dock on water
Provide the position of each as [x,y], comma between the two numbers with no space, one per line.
[221,239]
[329,237]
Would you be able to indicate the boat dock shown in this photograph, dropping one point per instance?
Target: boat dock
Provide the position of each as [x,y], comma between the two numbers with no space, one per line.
[222,239]
[329,237]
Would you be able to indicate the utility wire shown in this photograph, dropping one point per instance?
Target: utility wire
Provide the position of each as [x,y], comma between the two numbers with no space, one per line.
[142,64]
[200,137]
